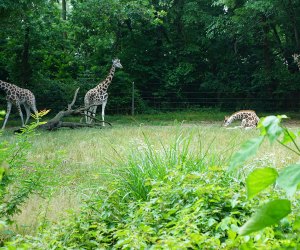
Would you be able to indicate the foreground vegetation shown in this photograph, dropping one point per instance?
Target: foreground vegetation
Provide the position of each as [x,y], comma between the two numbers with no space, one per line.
[141,186]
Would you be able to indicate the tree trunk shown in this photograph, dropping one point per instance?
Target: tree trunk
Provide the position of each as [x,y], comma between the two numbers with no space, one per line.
[64,9]
[64,15]
[266,45]
[292,17]
[25,66]
[267,54]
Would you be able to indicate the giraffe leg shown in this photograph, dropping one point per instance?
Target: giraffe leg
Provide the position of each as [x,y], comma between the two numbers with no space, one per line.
[86,116]
[244,123]
[103,111]
[94,109]
[87,113]
[27,109]
[20,112]
[91,112]
[9,104]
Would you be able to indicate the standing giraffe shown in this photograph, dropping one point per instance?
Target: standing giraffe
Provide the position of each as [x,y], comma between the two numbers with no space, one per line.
[17,96]
[248,117]
[98,95]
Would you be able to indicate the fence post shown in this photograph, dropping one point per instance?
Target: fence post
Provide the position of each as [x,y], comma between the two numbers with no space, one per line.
[132,100]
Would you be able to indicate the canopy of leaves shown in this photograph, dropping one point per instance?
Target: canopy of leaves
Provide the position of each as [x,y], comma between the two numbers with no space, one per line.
[177,52]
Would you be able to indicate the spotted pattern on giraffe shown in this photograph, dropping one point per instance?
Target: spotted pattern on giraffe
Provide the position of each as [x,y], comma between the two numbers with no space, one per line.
[18,96]
[98,95]
[248,117]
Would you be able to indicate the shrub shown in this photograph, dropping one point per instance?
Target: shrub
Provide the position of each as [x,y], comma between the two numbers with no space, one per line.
[18,177]
[288,178]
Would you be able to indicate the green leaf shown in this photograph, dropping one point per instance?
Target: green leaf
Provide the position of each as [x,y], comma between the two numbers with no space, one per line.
[248,149]
[1,173]
[260,179]
[289,178]
[288,136]
[267,215]
[296,224]
[270,126]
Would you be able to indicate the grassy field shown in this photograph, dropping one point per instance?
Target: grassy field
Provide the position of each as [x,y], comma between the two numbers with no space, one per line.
[79,163]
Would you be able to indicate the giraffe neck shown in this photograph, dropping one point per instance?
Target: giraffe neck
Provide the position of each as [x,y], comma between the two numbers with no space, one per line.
[104,85]
[231,119]
[240,115]
[234,117]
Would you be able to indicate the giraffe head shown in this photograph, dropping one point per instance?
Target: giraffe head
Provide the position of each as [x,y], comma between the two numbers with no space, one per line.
[226,121]
[116,63]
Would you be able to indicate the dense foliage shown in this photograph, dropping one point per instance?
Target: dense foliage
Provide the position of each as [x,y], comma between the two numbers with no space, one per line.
[226,53]
[258,180]
[19,178]
[179,198]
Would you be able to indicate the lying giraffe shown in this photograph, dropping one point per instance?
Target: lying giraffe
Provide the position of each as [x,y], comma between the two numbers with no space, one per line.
[98,95]
[248,117]
[17,96]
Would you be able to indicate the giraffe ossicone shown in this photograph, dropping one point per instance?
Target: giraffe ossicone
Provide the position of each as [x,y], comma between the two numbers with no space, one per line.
[18,96]
[98,95]
[248,117]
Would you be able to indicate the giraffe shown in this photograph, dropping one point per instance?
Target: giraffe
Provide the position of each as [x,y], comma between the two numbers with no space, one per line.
[248,117]
[17,96]
[98,95]
[296,58]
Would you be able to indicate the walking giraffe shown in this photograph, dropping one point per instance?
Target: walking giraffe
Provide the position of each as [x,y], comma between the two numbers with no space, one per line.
[248,117]
[17,96]
[98,95]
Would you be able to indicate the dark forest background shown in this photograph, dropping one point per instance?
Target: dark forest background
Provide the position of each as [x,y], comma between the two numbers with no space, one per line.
[228,54]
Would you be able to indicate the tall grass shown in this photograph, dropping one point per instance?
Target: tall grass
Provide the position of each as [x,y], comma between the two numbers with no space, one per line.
[124,158]
[148,162]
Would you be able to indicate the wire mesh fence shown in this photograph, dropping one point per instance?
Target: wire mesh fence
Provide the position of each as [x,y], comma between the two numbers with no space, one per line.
[198,100]
[143,102]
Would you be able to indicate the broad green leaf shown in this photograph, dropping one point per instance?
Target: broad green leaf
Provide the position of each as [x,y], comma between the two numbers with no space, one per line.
[1,173]
[270,126]
[2,113]
[296,224]
[248,149]
[267,215]
[288,136]
[289,178]
[260,179]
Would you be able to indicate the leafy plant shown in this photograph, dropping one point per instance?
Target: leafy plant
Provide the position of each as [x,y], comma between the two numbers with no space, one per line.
[17,181]
[191,204]
[287,178]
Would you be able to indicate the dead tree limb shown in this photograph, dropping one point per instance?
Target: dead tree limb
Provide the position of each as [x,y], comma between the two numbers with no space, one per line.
[56,122]
[74,99]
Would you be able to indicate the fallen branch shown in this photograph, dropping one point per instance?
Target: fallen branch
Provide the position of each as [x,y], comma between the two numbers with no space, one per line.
[56,122]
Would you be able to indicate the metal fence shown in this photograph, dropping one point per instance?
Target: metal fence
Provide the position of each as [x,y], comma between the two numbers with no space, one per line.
[198,100]
[175,101]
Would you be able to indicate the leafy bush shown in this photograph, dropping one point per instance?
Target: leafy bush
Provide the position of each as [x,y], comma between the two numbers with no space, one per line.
[258,180]
[18,177]
[184,211]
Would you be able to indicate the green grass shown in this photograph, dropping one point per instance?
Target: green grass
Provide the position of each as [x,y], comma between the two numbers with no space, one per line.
[79,163]
[207,115]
